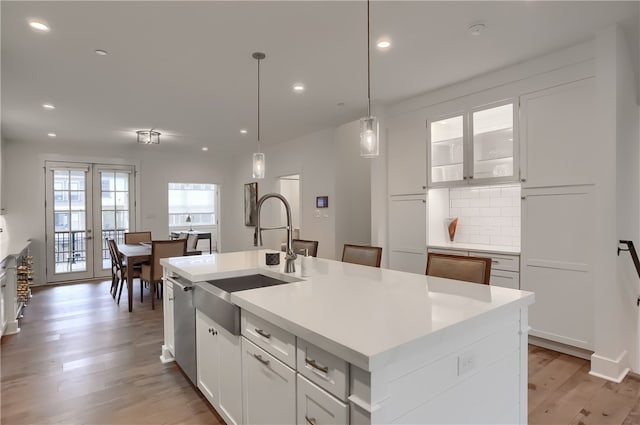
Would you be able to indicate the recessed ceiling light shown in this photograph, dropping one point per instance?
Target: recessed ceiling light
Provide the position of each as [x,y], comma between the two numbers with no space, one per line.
[476,29]
[39,25]
[101,52]
[243,131]
[204,148]
[383,44]
[48,106]
[52,134]
[297,88]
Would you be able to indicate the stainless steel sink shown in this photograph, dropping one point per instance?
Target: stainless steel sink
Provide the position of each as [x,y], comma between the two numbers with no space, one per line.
[213,298]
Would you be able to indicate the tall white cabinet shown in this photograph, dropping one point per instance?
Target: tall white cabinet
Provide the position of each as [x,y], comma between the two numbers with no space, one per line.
[407,144]
[558,134]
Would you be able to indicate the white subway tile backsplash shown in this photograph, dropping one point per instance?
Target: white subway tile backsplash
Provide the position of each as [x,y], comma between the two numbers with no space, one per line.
[487,215]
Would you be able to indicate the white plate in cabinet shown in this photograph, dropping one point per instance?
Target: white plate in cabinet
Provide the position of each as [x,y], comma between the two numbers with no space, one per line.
[268,387]
[271,338]
[506,279]
[317,407]
[325,369]
[500,262]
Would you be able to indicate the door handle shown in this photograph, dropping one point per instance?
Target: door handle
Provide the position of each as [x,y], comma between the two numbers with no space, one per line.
[261,360]
[88,238]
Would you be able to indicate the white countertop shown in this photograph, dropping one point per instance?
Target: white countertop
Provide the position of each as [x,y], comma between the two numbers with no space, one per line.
[494,249]
[365,315]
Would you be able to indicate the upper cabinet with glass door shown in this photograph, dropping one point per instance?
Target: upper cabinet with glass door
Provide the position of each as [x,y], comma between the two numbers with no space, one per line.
[477,145]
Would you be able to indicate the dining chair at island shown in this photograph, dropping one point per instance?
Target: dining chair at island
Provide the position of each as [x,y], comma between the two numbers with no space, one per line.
[152,272]
[468,269]
[300,245]
[365,255]
[137,237]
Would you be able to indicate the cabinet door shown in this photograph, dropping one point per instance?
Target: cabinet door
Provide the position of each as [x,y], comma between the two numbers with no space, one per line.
[3,319]
[407,145]
[408,233]
[268,386]
[446,157]
[494,146]
[557,262]
[207,357]
[558,136]
[317,407]
[168,318]
[230,377]
[504,278]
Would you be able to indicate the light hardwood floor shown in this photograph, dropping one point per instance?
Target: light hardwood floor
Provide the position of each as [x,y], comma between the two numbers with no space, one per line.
[81,359]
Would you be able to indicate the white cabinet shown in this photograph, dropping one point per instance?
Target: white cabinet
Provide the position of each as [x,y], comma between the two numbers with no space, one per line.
[408,233]
[3,286]
[219,368]
[317,407]
[475,145]
[407,153]
[168,317]
[559,167]
[168,348]
[557,262]
[268,387]
[505,268]
[558,135]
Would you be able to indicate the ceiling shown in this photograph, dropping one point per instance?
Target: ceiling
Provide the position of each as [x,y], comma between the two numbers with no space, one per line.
[185,68]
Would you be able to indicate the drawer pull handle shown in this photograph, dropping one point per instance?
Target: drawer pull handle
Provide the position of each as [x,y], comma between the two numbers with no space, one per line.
[495,261]
[263,333]
[315,365]
[310,421]
[261,360]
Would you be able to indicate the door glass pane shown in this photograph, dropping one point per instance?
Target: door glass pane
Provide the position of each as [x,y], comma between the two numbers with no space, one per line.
[115,208]
[493,142]
[447,149]
[70,221]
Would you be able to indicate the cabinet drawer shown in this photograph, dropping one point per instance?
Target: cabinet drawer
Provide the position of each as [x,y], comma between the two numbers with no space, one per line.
[317,407]
[276,341]
[449,251]
[268,387]
[499,261]
[506,279]
[323,368]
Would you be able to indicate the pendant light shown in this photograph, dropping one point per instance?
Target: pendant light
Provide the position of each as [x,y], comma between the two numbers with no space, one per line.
[368,124]
[258,157]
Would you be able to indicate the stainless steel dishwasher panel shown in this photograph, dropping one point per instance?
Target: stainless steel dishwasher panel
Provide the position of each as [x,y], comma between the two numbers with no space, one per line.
[184,316]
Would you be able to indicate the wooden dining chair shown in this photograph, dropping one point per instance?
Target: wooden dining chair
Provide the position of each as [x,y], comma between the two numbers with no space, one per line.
[468,269]
[299,245]
[137,237]
[120,269]
[362,254]
[152,272]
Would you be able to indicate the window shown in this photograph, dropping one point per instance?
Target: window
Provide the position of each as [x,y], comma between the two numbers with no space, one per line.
[195,200]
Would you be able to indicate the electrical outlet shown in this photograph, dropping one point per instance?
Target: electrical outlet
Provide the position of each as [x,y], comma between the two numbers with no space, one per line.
[466,363]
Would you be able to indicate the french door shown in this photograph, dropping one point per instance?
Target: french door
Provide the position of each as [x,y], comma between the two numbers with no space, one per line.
[85,203]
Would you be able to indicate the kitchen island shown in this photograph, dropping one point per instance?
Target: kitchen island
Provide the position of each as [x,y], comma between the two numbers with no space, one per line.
[355,344]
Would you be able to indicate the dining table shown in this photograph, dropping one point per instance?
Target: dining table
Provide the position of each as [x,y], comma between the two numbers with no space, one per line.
[134,254]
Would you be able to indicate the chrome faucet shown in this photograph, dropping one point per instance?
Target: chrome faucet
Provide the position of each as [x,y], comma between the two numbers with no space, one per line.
[290,258]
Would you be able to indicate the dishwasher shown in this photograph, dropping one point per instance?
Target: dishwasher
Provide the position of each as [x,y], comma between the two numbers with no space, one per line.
[184,327]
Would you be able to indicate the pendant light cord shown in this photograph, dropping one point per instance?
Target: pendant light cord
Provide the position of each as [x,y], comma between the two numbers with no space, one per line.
[258,105]
[368,61]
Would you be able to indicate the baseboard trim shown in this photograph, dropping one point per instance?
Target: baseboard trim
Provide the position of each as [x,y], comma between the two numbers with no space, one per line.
[610,369]
[560,347]
[166,356]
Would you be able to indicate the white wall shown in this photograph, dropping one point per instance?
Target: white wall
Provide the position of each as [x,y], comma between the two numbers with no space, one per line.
[24,185]
[310,156]
[353,199]
[622,294]
[329,164]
